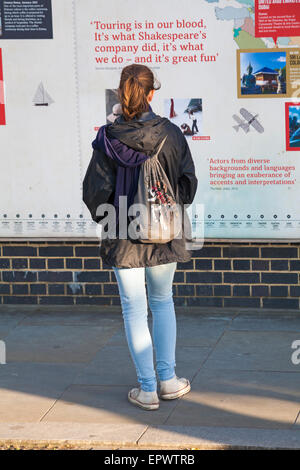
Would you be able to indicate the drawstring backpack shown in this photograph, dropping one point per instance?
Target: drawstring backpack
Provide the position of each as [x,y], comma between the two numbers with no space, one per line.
[160,219]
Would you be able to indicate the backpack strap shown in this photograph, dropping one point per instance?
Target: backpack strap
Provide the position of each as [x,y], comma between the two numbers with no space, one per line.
[160,146]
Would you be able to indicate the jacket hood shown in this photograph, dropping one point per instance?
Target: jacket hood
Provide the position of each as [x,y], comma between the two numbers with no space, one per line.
[143,134]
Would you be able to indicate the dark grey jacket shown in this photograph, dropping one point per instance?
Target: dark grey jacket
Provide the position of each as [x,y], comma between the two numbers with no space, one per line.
[143,134]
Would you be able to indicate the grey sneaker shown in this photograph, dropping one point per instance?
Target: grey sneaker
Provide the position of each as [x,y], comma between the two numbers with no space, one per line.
[145,400]
[174,388]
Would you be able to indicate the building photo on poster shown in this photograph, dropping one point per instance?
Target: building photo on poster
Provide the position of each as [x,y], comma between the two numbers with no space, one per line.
[230,80]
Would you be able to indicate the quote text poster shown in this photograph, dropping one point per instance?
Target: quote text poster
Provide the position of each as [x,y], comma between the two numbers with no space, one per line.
[64,89]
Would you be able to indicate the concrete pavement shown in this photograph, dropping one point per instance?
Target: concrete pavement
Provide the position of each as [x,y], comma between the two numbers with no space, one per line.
[68,371]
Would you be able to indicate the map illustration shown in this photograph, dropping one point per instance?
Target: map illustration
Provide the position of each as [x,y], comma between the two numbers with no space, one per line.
[241,13]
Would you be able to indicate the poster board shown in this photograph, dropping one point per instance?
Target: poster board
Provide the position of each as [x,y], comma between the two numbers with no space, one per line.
[59,64]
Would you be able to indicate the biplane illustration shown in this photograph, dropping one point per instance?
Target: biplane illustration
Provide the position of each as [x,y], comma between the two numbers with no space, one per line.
[249,120]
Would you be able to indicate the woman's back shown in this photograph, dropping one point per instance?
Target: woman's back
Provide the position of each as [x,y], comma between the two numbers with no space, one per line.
[113,171]
[145,135]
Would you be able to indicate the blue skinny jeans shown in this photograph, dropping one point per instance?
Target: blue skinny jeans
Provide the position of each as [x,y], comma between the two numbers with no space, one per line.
[132,289]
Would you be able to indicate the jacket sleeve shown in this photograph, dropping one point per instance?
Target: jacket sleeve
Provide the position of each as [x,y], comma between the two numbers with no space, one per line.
[187,181]
[99,183]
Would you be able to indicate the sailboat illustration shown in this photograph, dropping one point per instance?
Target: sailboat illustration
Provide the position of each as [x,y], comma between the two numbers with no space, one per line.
[41,97]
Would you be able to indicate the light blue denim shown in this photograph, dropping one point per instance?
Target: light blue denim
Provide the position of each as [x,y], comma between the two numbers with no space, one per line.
[133,296]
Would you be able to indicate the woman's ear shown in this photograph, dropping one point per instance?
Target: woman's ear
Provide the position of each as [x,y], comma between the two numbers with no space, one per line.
[150,96]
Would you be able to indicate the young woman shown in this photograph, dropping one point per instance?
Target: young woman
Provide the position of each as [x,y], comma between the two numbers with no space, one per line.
[119,150]
[194,126]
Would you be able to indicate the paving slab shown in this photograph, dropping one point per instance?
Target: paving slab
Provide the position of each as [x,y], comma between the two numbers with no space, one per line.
[207,313]
[11,318]
[72,318]
[297,423]
[55,343]
[210,437]
[23,407]
[199,333]
[25,308]
[138,436]
[266,321]
[112,365]
[4,331]
[27,391]
[190,332]
[79,433]
[31,308]
[240,398]
[254,350]
[189,360]
[263,311]
[104,404]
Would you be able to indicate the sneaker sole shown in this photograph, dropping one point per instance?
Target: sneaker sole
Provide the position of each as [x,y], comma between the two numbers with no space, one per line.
[173,395]
[145,406]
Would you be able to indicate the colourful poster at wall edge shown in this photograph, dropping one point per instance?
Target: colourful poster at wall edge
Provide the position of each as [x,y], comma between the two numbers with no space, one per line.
[2,100]
[277,18]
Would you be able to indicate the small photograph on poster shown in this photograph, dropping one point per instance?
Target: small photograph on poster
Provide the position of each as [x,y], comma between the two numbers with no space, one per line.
[262,73]
[186,114]
[113,106]
[292,120]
